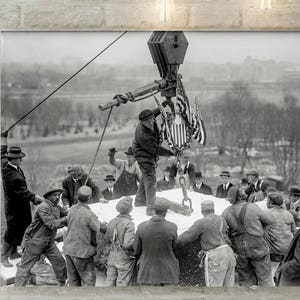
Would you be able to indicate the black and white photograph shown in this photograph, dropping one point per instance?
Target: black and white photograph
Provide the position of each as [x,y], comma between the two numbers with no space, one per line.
[154,158]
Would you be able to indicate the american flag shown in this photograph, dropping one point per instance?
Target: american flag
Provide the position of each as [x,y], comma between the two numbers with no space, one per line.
[182,101]
[197,125]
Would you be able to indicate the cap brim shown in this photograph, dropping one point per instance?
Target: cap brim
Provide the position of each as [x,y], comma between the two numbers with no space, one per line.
[51,192]
[21,155]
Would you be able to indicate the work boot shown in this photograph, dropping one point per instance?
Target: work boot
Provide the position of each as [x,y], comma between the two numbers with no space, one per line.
[14,253]
[61,282]
[5,263]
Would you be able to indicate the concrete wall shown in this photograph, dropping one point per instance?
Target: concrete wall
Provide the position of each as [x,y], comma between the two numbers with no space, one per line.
[147,15]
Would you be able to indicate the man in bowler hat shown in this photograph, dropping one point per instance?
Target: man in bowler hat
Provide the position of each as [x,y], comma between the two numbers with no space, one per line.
[147,149]
[17,200]
[109,193]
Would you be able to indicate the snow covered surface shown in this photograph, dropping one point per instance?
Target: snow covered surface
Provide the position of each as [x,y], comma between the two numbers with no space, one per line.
[107,211]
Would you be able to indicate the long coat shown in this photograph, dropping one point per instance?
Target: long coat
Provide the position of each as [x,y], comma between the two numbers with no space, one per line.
[221,193]
[17,200]
[154,246]
[69,195]
[290,274]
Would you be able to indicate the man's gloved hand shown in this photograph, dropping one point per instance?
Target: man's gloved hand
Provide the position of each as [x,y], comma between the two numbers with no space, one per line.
[4,134]
[103,227]
[103,200]
[39,199]
[112,151]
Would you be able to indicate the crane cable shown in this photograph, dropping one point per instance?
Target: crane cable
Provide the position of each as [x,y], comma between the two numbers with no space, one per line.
[99,144]
[66,81]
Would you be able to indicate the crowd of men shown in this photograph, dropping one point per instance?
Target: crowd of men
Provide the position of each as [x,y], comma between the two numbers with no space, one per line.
[255,237]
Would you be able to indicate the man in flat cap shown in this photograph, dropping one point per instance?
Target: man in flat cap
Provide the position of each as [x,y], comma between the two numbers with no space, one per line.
[154,247]
[17,200]
[80,240]
[247,222]
[71,184]
[218,257]
[128,173]
[255,184]
[39,238]
[120,235]
[293,204]
[223,188]
[146,150]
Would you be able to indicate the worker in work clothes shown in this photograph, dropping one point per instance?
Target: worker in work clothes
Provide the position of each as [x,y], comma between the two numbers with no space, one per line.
[120,235]
[71,184]
[218,257]
[146,150]
[293,204]
[280,233]
[39,239]
[80,241]
[127,173]
[246,223]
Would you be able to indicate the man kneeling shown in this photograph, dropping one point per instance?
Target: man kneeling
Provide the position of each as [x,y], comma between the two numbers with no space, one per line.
[219,261]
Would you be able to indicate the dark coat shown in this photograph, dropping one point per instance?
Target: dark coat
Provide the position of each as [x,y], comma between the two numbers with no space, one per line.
[146,144]
[154,246]
[204,189]
[108,196]
[17,200]
[163,185]
[290,274]
[69,197]
[221,193]
[187,170]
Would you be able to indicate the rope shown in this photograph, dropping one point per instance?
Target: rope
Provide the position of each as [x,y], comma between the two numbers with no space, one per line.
[66,81]
[99,144]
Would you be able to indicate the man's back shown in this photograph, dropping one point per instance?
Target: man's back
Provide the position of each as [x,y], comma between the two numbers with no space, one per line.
[154,243]
[83,224]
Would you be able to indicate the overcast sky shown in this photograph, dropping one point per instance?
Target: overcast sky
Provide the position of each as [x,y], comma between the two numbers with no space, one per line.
[217,47]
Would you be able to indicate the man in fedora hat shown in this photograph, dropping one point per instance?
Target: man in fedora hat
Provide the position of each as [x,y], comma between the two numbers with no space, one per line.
[166,183]
[223,188]
[80,241]
[147,149]
[17,200]
[109,193]
[128,173]
[71,184]
[39,238]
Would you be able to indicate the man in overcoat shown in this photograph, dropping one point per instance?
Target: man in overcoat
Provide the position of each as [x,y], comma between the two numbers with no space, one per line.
[223,188]
[17,200]
[146,150]
[200,186]
[154,247]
